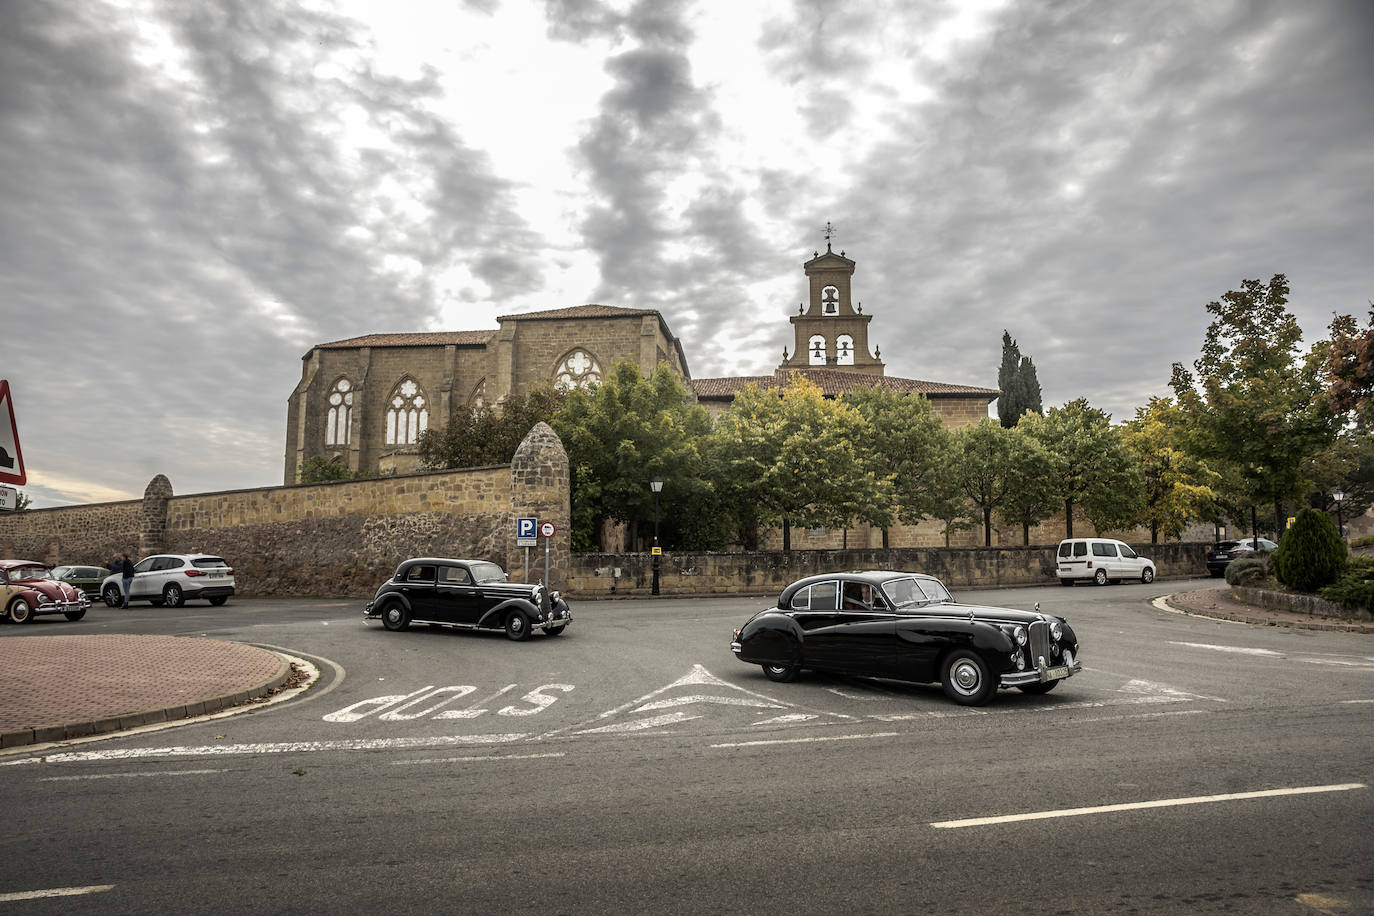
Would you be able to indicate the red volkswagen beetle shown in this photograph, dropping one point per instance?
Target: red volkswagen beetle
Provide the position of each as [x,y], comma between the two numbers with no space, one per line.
[28,588]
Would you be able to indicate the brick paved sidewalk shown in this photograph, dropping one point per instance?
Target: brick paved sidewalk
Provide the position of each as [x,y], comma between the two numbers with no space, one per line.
[58,687]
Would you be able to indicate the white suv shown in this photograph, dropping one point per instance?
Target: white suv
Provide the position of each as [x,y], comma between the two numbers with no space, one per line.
[1102,560]
[172,579]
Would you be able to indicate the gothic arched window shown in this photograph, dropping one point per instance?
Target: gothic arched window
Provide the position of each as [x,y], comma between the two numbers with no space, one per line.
[830,301]
[407,413]
[479,395]
[844,350]
[577,370]
[339,420]
[817,350]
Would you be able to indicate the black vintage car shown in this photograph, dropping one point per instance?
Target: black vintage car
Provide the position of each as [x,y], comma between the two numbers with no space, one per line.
[907,627]
[467,594]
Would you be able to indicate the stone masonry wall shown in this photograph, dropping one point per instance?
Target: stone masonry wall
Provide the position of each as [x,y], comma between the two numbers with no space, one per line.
[73,534]
[765,573]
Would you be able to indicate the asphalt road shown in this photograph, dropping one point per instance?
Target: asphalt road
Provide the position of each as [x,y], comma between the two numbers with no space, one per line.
[634,765]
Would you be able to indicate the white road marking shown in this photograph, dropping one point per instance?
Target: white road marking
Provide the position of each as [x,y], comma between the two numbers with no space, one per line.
[133,775]
[403,763]
[639,725]
[1357,701]
[815,740]
[707,698]
[1238,650]
[787,719]
[1162,692]
[1137,806]
[56,892]
[285,747]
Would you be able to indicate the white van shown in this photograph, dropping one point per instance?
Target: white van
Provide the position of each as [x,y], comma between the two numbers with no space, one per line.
[1102,560]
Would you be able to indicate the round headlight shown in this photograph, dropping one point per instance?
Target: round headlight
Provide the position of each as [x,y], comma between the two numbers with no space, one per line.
[1056,630]
[1020,636]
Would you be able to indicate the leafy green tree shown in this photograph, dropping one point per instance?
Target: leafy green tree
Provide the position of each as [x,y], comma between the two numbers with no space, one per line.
[1349,367]
[1346,465]
[1031,496]
[906,443]
[1311,554]
[794,456]
[1090,465]
[1020,386]
[1251,402]
[1177,486]
[488,435]
[319,469]
[621,434]
[985,472]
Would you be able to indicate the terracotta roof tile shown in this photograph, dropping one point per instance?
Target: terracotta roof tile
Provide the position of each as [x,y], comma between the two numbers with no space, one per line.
[421,339]
[834,383]
[580,311]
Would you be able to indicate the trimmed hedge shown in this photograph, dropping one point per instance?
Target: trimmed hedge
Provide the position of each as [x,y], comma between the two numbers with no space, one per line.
[1355,589]
[1311,553]
[1246,570]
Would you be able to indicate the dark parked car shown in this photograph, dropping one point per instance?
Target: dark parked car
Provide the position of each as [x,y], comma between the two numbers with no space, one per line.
[1223,552]
[28,589]
[467,594]
[86,578]
[907,627]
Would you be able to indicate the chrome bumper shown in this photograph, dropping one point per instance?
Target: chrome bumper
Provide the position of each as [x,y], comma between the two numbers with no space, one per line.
[1040,674]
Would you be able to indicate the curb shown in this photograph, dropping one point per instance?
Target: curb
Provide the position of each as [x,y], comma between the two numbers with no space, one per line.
[50,733]
[1164,603]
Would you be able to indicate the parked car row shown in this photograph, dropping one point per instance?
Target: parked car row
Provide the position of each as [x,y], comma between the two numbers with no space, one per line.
[29,588]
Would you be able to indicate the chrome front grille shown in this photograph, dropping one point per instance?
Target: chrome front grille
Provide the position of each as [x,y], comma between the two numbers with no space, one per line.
[1040,643]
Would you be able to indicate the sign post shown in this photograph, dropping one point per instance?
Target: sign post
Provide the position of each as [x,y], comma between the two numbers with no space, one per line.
[525,537]
[11,458]
[547,531]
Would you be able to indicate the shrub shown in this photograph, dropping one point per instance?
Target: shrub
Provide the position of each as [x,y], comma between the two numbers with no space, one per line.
[1245,570]
[1355,589]
[1311,553]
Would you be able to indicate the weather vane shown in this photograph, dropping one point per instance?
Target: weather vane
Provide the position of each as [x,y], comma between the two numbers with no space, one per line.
[829,234]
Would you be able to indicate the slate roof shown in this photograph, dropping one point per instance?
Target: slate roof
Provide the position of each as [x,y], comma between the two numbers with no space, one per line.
[834,383]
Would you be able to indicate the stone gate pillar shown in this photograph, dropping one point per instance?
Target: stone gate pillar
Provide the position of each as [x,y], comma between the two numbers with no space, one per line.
[539,488]
[152,537]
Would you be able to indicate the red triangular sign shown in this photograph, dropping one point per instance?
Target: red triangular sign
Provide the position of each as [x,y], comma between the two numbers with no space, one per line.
[11,459]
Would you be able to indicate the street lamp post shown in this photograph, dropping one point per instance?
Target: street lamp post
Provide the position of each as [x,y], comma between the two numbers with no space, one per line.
[657,486]
[1339,497]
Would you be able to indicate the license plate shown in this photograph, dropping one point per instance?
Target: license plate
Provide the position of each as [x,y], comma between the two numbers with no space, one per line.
[1054,674]
[216,575]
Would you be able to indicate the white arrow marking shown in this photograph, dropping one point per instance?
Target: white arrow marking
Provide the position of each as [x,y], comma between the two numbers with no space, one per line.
[1162,693]
[1237,650]
[637,725]
[706,698]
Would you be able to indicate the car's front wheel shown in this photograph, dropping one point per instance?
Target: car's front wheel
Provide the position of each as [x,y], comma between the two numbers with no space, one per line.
[1100,577]
[395,616]
[20,612]
[966,679]
[517,627]
[74,615]
[172,595]
[113,595]
[1147,575]
[781,673]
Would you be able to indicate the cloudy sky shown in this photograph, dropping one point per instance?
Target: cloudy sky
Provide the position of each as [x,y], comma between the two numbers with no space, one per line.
[197,191]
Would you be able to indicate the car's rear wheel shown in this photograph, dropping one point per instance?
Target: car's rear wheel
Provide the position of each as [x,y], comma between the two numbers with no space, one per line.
[74,615]
[1046,687]
[113,595]
[395,616]
[517,627]
[1147,575]
[172,595]
[20,612]
[966,678]
[219,601]
[781,673]
[1100,577]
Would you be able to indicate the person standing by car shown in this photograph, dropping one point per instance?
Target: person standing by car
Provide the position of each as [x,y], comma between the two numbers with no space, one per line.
[126,570]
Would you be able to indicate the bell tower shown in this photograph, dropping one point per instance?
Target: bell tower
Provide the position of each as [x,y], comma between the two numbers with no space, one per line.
[829,331]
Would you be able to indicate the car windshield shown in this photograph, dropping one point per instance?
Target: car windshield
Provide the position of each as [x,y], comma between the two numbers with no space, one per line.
[487,572]
[28,573]
[908,593]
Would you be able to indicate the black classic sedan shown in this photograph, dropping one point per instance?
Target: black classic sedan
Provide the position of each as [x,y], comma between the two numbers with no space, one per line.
[907,627]
[466,594]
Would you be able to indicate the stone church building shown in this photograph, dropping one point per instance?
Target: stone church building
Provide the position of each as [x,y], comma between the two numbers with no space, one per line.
[364,401]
